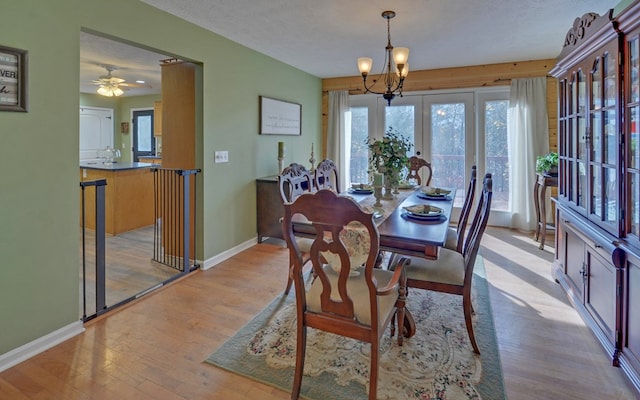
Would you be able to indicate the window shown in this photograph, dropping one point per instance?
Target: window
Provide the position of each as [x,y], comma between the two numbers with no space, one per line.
[445,131]
[493,121]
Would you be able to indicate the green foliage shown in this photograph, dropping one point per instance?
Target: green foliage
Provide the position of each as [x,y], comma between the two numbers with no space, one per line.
[545,163]
[389,154]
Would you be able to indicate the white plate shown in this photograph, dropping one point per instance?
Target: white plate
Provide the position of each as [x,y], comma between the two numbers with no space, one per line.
[419,217]
[424,211]
[434,191]
[433,197]
[406,186]
[361,191]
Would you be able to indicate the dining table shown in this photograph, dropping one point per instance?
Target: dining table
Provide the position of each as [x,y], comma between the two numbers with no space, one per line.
[400,232]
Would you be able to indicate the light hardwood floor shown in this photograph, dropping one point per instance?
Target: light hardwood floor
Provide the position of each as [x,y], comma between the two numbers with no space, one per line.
[130,268]
[154,348]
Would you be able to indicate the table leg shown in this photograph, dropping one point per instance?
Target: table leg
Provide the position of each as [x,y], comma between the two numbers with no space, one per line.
[536,203]
[543,215]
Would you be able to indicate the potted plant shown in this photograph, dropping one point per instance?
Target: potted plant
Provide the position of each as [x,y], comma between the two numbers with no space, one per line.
[388,155]
[547,164]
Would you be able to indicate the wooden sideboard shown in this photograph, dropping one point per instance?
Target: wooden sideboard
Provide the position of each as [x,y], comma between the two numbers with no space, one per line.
[269,208]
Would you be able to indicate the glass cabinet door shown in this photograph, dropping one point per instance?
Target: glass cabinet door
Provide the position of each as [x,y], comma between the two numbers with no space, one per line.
[632,105]
[581,138]
[589,139]
[603,159]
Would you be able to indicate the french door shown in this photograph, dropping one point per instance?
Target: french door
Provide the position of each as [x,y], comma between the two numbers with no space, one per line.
[144,143]
[453,131]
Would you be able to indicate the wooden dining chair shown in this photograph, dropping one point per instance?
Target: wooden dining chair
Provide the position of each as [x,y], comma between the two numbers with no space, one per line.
[295,180]
[452,272]
[455,236]
[326,175]
[349,297]
[415,164]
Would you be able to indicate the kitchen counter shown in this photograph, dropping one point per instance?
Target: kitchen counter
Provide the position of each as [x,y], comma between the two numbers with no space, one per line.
[116,166]
[129,194]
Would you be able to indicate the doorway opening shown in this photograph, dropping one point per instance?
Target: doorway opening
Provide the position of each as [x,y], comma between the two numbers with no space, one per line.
[144,142]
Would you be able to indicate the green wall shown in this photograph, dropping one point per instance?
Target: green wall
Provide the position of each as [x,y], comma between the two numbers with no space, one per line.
[39,210]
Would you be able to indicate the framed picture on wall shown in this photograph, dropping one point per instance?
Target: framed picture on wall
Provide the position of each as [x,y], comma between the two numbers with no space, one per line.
[278,117]
[13,79]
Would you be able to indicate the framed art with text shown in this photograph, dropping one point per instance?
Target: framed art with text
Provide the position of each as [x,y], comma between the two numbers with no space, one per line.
[278,117]
[13,79]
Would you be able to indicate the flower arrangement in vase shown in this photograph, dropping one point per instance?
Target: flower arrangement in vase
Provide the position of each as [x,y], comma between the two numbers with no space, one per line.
[388,156]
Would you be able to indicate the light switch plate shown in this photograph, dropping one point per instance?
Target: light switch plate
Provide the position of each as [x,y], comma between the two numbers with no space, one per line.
[221,157]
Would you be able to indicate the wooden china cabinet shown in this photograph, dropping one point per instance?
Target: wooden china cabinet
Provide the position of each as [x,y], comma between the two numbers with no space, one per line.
[597,258]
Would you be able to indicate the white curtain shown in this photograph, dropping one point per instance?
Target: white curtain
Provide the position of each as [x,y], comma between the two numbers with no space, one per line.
[528,131]
[338,136]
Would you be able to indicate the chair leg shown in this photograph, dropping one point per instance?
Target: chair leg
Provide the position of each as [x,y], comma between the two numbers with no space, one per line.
[301,347]
[290,276]
[468,310]
[400,313]
[289,283]
[373,371]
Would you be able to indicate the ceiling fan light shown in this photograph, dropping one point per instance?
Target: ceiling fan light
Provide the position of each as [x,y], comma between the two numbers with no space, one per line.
[105,91]
[117,91]
[364,65]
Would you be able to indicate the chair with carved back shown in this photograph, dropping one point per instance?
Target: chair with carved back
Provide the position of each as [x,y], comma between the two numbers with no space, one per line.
[452,272]
[293,181]
[349,297]
[326,175]
[455,236]
[415,164]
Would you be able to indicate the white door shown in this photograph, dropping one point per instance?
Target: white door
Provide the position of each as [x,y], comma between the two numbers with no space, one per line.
[96,131]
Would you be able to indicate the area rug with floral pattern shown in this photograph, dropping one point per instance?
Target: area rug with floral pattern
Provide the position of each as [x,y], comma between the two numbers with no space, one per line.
[437,363]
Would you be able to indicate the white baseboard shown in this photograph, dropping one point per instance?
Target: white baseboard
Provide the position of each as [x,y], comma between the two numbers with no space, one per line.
[24,352]
[43,343]
[217,259]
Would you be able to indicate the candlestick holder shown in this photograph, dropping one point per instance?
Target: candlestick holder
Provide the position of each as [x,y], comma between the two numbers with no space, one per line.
[312,160]
[377,192]
[388,193]
[280,165]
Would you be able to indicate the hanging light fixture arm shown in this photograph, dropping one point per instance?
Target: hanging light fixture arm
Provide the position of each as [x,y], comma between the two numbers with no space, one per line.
[393,81]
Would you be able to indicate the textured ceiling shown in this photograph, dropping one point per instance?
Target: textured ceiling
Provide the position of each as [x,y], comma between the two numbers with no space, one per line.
[325,37]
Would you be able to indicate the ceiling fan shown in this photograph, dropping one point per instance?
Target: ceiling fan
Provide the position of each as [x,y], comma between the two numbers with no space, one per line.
[110,85]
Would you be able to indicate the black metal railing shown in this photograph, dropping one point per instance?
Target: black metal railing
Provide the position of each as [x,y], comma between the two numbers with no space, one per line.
[174,241]
[100,249]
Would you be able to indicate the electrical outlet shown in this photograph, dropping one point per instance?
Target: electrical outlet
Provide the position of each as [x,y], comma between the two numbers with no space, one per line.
[221,157]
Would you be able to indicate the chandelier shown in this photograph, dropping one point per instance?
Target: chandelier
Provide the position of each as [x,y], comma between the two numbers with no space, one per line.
[393,77]
[110,90]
